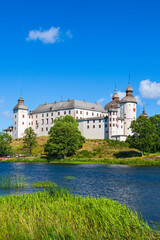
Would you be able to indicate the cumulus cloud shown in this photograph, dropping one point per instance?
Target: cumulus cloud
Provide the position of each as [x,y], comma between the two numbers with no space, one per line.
[150,90]
[158,102]
[139,101]
[69,34]
[51,35]
[101,100]
[7,115]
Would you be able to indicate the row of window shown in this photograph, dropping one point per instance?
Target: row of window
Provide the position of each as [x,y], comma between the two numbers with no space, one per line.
[93,126]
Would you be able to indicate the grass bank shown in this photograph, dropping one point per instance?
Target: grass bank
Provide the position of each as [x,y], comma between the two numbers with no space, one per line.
[60,215]
[94,151]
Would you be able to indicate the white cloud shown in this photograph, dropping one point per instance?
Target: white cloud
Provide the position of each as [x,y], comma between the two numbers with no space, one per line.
[7,115]
[150,90]
[47,36]
[158,102]
[101,100]
[1,103]
[139,101]
[69,34]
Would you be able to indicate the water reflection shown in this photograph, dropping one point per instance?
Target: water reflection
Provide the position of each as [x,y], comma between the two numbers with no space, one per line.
[137,187]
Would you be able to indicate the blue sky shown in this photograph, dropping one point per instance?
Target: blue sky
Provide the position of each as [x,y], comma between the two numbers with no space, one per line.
[78,49]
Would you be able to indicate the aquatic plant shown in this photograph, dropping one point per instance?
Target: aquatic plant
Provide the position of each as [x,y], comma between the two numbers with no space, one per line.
[9,182]
[43,184]
[70,177]
[60,215]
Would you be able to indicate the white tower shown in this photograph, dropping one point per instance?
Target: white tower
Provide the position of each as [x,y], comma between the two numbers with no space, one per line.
[128,109]
[20,119]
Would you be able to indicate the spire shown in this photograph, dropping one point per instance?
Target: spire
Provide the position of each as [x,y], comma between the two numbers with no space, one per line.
[129,80]
[144,112]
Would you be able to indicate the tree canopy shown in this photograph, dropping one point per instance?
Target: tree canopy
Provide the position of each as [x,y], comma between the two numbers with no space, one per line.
[64,138]
[29,140]
[5,144]
[146,134]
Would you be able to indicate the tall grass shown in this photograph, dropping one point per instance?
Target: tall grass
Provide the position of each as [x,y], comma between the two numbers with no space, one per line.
[17,181]
[60,215]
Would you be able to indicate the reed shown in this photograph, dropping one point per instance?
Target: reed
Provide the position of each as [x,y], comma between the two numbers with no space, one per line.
[9,182]
[60,215]
[70,177]
[43,184]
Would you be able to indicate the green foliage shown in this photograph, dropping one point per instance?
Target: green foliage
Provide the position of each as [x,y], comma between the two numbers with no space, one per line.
[144,135]
[43,184]
[64,138]
[155,120]
[9,182]
[29,141]
[60,215]
[5,144]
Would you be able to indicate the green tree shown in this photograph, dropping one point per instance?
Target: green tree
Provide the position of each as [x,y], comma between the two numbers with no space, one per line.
[144,135]
[29,140]
[5,144]
[64,138]
[155,120]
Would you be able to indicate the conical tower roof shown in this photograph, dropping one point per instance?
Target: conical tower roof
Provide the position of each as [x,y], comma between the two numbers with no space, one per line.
[20,105]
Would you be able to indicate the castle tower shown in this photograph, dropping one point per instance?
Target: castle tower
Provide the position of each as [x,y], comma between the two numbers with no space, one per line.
[128,109]
[20,119]
[144,114]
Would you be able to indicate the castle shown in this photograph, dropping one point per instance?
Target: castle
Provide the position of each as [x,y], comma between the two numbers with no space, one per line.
[95,122]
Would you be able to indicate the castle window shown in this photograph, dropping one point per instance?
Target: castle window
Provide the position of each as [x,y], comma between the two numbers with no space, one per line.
[64,112]
[42,121]
[110,113]
[15,123]
[87,113]
[88,126]
[134,109]
[15,116]
[47,129]
[92,114]
[77,118]
[93,126]
[15,128]
[29,116]
[58,113]
[121,126]
[93,121]
[100,115]
[113,119]
[87,121]
[36,122]
[42,115]
[113,113]
[105,125]
[47,114]
[80,112]
[32,122]
[47,121]
[106,131]
[69,112]
[99,126]
[110,125]
[76,111]
[99,121]
[29,124]
[110,119]
[51,120]
[22,123]
[22,116]
[106,120]
[36,116]
[52,114]
[97,114]
[113,125]
[42,129]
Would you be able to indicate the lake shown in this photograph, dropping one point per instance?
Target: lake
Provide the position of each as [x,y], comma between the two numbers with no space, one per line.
[136,187]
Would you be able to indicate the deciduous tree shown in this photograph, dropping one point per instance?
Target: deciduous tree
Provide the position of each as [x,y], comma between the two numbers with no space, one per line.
[29,141]
[5,144]
[64,138]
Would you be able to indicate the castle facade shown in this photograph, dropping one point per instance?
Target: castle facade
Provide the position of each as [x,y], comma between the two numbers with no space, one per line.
[95,122]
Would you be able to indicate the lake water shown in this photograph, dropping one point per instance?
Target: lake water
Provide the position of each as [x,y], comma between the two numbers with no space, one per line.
[136,187]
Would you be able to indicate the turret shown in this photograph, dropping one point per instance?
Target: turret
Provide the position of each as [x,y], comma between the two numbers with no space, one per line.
[20,118]
[128,109]
[144,114]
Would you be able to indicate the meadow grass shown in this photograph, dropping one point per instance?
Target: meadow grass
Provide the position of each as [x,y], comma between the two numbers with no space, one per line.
[60,215]
[9,182]
[43,184]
